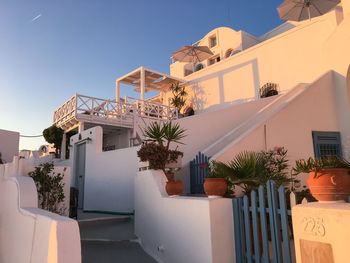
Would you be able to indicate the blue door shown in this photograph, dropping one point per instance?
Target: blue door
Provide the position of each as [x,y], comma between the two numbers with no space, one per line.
[199,167]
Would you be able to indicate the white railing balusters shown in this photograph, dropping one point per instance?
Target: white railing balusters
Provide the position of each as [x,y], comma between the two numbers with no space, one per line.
[90,108]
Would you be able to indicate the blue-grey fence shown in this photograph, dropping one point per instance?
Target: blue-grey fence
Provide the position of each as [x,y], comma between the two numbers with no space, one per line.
[198,172]
[262,224]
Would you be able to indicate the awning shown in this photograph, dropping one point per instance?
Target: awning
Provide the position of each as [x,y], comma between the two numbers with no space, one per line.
[153,80]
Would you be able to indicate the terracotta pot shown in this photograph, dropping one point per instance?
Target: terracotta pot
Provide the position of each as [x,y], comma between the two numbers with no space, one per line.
[215,186]
[170,176]
[174,187]
[330,184]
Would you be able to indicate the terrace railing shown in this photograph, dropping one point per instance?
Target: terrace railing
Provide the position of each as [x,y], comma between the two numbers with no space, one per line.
[86,108]
[66,112]
[153,110]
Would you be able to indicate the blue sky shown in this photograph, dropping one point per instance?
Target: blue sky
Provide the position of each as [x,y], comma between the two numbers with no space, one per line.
[83,46]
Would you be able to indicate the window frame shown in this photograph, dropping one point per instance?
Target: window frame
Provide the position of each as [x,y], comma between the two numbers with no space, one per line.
[334,139]
[213,38]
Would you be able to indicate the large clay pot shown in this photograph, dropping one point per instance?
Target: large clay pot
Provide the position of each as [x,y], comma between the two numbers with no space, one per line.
[170,176]
[174,187]
[215,186]
[330,184]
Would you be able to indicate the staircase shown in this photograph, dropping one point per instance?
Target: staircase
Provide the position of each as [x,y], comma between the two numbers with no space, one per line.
[256,120]
[111,239]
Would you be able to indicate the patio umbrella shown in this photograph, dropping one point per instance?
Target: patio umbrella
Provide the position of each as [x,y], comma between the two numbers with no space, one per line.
[299,10]
[192,54]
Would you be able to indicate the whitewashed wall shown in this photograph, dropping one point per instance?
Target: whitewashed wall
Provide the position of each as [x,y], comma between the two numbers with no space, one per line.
[9,145]
[21,167]
[292,127]
[205,129]
[29,234]
[182,229]
[109,176]
[299,55]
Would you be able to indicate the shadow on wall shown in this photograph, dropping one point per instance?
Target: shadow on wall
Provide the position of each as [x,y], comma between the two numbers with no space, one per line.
[199,99]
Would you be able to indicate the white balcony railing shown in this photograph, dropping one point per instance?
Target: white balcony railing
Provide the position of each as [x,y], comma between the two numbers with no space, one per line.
[152,110]
[90,109]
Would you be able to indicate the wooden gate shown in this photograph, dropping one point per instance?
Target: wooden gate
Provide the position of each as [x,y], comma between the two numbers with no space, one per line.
[262,224]
[198,171]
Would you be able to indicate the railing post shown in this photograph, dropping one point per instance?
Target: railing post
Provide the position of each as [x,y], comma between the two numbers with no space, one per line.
[135,120]
[75,105]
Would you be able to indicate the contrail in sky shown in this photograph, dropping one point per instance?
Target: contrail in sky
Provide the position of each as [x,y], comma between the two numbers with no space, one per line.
[35,18]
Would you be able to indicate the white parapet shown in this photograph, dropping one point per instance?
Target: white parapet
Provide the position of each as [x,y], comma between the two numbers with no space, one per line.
[181,229]
[321,232]
[30,234]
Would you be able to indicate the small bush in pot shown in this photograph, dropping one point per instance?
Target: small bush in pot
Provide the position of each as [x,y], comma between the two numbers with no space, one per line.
[329,178]
[215,184]
[154,153]
[156,150]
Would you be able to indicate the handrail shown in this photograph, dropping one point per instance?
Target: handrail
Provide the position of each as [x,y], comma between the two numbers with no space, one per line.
[111,111]
[254,121]
[65,112]
[153,110]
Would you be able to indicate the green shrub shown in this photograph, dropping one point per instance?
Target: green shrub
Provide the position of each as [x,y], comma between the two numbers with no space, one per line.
[250,169]
[50,188]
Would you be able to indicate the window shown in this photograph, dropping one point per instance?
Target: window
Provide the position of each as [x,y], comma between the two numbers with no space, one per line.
[326,144]
[198,67]
[214,60]
[212,41]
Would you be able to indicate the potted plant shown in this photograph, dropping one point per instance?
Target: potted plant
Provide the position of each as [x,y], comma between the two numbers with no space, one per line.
[179,96]
[215,184]
[156,150]
[329,178]
[249,169]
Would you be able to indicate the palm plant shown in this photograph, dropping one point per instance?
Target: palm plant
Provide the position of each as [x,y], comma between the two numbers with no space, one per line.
[179,96]
[154,132]
[164,133]
[251,169]
[173,133]
[245,169]
[157,151]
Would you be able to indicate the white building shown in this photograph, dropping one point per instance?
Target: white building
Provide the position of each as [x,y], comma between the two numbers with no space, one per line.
[306,62]
[9,145]
[308,114]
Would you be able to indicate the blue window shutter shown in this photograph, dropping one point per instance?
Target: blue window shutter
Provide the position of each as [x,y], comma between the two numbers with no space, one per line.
[326,144]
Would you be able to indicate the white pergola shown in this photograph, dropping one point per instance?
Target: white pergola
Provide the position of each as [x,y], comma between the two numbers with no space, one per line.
[144,80]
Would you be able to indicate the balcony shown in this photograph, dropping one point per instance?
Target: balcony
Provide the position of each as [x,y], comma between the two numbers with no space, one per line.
[80,108]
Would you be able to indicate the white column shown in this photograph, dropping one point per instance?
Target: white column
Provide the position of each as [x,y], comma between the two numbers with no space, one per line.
[63,146]
[142,84]
[117,91]
[81,127]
